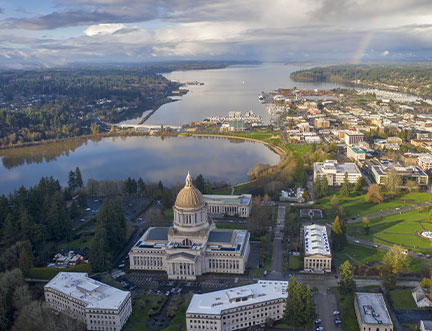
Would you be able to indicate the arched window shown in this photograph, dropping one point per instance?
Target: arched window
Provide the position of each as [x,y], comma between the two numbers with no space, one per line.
[187,242]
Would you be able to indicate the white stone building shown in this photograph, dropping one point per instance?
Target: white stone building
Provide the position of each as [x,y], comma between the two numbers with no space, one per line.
[192,246]
[425,162]
[99,306]
[237,308]
[356,153]
[231,205]
[371,312]
[421,297]
[353,137]
[317,254]
[335,172]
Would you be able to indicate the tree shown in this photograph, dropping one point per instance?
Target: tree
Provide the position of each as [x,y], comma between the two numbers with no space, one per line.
[394,261]
[25,261]
[82,198]
[199,183]
[374,195]
[71,180]
[347,284]
[317,187]
[365,222]
[141,186]
[324,186]
[358,185]
[78,178]
[74,210]
[412,186]
[393,182]
[430,215]
[338,234]
[344,191]
[300,309]
[93,186]
[300,175]
[306,195]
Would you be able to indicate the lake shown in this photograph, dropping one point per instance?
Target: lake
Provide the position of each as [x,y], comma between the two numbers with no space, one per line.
[234,88]
[152,158]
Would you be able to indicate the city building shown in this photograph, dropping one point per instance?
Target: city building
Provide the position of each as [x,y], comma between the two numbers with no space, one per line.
[353,137]
[356,153]
[191,246]
[421,297]
[425,325]
[317,255]
[425,162]
[321,123]
[237,308]
[231,205]
[380,168]
[371,312]
[335,172]
[99,306]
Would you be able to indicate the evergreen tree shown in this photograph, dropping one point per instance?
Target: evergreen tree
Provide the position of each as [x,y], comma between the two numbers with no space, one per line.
[78,178]
[317,187]
[324,186]
[82,198]
[10,230]
[199,183]
[344,191]
[99,251]
[299,310]
[74,210]
[358,185]
[25,260]
[338,234]
[300,175]
[71,180]
[160,186]
[347,284]
[141,186]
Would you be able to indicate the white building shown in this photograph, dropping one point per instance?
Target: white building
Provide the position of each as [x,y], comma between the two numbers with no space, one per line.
[191,246]
[99,306]
[356,153]
[425,325]
[317,255]
[237,308]
[371,312]
[231,205]
[335,172]
[421,297]
[353,137]
[425,162]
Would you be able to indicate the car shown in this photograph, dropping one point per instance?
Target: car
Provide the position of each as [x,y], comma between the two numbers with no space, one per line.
[376,246]
[357,241]
[318,321]
[397,209]
[320,328]
[337,321]
[167,293]
[121,265]
[82,220]
[336,312]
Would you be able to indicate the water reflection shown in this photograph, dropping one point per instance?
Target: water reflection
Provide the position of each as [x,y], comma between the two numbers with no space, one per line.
[152,158]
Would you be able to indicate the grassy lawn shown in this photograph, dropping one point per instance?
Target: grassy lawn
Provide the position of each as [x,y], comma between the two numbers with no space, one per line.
[223,191]
[349,319]
[48,273]
[356,205]
[365,255]
[402,299]
[298,150]
[402,240]
[295,262]
[168,214]
[257,272]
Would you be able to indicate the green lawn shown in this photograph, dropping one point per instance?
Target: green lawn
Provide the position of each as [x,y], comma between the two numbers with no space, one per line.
[402,299]
[403,240]
[295,262]
[365,255]
[356,205]
[298,150]
[48,273]
[230,226]
[168,214]
[349,319]
[222,191]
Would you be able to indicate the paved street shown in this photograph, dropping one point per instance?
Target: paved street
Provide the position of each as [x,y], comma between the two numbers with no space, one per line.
[326,304]
[276,270]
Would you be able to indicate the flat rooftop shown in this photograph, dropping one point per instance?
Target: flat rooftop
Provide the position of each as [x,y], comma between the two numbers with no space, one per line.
[242,199]
[92,293]
[316,240]
[373,309]
[213,303]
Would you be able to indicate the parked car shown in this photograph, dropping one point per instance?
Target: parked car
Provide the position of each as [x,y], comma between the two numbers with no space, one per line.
[337,321]
[336,312]
[318,321]
[320,328]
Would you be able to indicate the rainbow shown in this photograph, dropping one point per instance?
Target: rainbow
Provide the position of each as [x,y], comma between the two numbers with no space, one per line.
[362,47]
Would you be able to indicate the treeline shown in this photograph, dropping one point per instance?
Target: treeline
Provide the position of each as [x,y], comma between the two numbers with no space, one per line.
[38,216]
[415,77]
[59,103]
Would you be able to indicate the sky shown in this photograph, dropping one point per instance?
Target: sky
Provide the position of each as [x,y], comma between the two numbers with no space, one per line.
[50,33]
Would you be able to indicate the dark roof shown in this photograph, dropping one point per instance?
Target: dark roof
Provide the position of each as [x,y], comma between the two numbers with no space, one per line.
[220,236]
[158,234]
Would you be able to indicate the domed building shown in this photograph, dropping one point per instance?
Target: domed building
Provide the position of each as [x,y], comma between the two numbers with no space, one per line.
[191,246]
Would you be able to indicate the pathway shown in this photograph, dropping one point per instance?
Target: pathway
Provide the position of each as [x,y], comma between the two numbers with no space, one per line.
[276,270]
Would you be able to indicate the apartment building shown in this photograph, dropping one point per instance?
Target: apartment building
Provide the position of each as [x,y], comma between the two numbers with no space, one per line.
[335,172]
[371,312]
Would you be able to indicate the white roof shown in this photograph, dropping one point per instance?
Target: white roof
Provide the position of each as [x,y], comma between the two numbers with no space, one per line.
[89,291]
[372,308]
[316,240]
[213,303]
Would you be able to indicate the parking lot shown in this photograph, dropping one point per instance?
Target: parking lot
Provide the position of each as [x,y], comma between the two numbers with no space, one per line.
[326,304]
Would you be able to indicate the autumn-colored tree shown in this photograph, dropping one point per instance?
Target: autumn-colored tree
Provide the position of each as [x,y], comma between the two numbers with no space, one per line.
[374,195]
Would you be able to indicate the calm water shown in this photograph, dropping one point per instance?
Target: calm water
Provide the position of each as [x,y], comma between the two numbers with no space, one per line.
[151,158]
[234,88]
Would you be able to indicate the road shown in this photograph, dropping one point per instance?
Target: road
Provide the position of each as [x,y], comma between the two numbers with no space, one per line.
[326,304]
[276,270]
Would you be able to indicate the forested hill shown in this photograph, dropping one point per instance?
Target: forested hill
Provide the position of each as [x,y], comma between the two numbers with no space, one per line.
[415,78]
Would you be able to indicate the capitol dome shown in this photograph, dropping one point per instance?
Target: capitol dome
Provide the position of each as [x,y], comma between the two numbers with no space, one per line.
[189,197]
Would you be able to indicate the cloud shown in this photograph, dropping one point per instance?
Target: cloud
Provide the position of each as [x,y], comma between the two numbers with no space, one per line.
[102,29]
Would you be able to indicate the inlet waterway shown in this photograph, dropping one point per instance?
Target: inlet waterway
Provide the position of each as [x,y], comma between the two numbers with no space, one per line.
[152,158]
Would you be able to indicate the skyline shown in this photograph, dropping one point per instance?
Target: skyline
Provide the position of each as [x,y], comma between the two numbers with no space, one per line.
[54,33]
